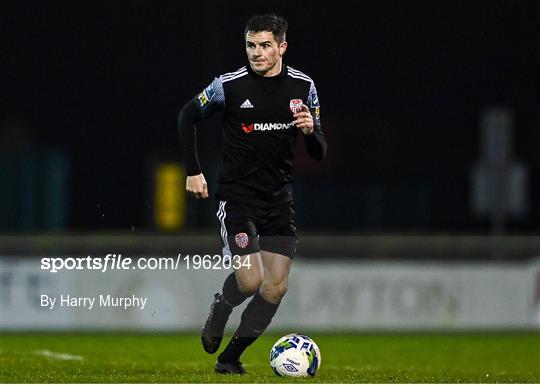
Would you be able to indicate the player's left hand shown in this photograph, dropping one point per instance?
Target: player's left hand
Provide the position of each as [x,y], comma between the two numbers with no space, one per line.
[303,120]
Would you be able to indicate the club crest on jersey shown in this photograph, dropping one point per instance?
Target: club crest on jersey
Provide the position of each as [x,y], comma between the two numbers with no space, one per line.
[295,105]
[241,239]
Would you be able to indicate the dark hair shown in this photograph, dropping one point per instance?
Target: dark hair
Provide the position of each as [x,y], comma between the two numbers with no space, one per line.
[270,22]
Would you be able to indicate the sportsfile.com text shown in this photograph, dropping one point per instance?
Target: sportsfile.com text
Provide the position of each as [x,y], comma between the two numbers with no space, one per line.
[114,261]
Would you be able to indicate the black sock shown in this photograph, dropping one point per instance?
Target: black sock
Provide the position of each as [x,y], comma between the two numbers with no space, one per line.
[231,294]
[255,318]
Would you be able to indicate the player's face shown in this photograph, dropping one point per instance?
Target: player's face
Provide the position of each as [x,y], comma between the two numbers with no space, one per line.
[264,52]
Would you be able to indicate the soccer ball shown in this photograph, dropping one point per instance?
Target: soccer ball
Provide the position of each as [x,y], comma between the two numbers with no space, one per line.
[295,355]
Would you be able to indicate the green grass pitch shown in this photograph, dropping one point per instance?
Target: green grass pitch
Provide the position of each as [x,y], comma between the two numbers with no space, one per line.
[346,358]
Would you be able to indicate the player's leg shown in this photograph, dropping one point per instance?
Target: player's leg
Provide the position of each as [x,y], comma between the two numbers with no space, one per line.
[248,277]
[262,308]
[276,276]
[279,242]
[240,284]
[276,255]
[247,281]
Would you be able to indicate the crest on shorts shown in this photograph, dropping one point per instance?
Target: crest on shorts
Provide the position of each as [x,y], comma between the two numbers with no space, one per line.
[295,105]
[241,239]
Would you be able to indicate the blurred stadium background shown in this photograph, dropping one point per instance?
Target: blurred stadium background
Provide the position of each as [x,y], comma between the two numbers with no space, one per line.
[424,215]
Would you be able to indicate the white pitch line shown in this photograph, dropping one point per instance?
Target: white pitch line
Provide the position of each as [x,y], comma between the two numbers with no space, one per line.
[59,355]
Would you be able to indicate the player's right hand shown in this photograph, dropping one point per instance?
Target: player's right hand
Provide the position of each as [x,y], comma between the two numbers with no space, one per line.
[196,186]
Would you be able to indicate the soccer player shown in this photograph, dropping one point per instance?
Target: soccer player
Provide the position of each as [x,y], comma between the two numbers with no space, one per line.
[266,104]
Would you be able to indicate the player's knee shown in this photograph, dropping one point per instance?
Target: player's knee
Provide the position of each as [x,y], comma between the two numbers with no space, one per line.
[282,289]
[274,292]
[248,286]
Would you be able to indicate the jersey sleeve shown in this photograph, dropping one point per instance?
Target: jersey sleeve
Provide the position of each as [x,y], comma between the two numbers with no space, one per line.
[211,99]
[316,142]
[313,104]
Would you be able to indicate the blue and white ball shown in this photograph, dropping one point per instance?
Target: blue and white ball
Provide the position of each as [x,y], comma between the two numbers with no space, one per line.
[295,355]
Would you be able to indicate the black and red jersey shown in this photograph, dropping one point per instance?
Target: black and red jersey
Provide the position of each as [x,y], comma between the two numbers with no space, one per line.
[259,138]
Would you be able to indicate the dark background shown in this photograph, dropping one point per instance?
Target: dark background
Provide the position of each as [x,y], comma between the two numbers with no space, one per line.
[401,84]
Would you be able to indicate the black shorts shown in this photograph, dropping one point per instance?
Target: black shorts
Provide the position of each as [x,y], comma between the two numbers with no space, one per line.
[248,229]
